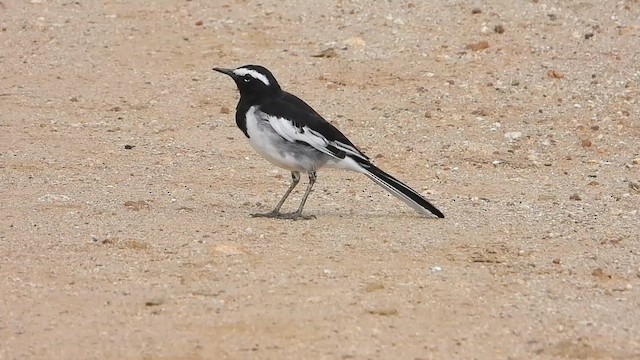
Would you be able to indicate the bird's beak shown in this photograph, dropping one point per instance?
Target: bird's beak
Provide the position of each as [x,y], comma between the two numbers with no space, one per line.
[225,71]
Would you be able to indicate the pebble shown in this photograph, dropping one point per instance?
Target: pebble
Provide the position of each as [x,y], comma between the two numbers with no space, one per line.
[136,205]
[513,135]
[383,312]
[555,74]
[478,46]
[154,301]
[326,53]
[435,269]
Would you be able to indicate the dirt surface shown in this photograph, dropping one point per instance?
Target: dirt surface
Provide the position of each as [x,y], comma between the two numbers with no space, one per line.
[126,189]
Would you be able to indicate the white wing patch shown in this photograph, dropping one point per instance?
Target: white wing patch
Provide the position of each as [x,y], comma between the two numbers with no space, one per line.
[287,130]
[254,74]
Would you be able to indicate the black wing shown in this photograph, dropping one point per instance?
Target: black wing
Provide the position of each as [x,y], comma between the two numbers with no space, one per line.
[292,108]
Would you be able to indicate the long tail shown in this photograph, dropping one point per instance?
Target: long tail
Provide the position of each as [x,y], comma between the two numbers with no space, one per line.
[400,190]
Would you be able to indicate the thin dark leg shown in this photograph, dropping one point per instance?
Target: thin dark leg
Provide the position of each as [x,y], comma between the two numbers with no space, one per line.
[295,179]
[298,213]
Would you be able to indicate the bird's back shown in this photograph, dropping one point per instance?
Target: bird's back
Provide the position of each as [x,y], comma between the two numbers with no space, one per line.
[289,106]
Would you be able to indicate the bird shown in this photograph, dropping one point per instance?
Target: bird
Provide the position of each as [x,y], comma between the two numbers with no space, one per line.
[290,134]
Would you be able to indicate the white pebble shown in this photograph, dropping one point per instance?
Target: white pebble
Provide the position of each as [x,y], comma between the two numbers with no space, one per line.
[435,269]
[513,135]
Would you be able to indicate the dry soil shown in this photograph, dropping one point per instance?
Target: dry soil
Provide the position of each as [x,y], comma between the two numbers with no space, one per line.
[126,189]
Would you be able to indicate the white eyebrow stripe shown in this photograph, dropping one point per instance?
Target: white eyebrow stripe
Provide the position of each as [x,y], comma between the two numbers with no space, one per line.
[254,74]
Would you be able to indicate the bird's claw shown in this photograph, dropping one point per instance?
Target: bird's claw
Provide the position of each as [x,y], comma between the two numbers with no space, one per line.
[284,216]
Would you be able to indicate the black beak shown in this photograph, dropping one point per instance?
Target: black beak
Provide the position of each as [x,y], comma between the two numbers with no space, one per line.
[225,71]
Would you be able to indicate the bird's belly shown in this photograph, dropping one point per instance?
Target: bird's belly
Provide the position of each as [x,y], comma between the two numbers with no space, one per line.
[280,152]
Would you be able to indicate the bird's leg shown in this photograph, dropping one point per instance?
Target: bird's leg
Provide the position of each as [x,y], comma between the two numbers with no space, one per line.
[295,179]
[297,215]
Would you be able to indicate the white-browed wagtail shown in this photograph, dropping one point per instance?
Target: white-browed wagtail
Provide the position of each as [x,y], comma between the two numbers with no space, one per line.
[290,134]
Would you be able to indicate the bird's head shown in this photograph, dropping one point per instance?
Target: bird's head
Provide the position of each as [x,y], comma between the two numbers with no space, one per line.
[252,80]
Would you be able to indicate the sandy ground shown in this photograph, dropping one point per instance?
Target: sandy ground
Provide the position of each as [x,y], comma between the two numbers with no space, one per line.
[126,189]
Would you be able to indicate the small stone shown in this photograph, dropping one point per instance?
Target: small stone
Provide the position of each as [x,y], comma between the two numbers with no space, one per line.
[498,29]
[136,205]
[575,197]
[157,301]
[556,261]
[555,74]
[482,45]
[598,272]
[199,23]
[435,269]
[480,112]
[636,161]
[476,11]
[224,110]
[485,30]
[129,147]
[513,135]
[588,36]
[585,143]
[593,183]
[326,53]
[384,312]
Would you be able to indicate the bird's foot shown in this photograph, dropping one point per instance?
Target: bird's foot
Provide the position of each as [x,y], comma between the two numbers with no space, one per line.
[284,216]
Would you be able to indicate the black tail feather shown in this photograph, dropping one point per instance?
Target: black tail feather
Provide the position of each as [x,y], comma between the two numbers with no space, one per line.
[400,190]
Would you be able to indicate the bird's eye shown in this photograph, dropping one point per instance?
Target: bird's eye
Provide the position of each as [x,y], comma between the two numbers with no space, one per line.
[246,79]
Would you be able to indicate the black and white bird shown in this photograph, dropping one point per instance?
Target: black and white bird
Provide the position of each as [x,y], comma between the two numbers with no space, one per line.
[290,134]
